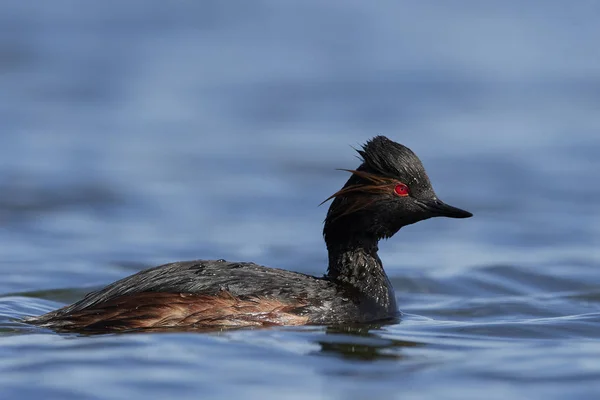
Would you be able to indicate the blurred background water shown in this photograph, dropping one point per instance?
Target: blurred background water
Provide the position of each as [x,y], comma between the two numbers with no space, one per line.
[135,133]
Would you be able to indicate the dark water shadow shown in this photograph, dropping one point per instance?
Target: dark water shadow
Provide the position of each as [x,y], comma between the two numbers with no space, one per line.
[364,342]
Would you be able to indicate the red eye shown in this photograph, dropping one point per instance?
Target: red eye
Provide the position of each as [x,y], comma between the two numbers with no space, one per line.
[401,189]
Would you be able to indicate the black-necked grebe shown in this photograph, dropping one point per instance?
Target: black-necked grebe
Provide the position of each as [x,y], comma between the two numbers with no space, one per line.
[389,190]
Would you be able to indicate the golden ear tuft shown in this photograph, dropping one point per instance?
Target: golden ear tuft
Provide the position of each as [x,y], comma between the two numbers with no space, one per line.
[374,185]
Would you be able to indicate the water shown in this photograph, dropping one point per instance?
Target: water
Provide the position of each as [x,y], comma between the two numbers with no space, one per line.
[137,133]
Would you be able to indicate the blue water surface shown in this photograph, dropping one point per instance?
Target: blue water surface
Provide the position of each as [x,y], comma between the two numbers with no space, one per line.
[134,133]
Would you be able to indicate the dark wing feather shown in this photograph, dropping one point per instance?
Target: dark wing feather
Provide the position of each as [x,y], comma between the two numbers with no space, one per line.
[209,278]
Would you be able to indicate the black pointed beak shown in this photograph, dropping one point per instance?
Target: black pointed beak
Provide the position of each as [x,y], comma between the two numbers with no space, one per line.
[440,209]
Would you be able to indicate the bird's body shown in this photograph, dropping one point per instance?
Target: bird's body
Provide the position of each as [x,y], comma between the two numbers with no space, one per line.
[389,190]
[204,293]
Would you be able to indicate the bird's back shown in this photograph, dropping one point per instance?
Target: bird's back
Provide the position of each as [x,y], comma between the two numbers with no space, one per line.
[199,293]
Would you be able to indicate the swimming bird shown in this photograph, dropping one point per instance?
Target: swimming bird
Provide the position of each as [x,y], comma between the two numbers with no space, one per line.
[389,190]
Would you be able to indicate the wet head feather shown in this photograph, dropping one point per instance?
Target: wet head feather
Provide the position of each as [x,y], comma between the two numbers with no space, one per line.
[383,156]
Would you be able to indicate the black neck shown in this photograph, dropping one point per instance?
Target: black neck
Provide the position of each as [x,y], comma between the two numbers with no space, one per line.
[355,265]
